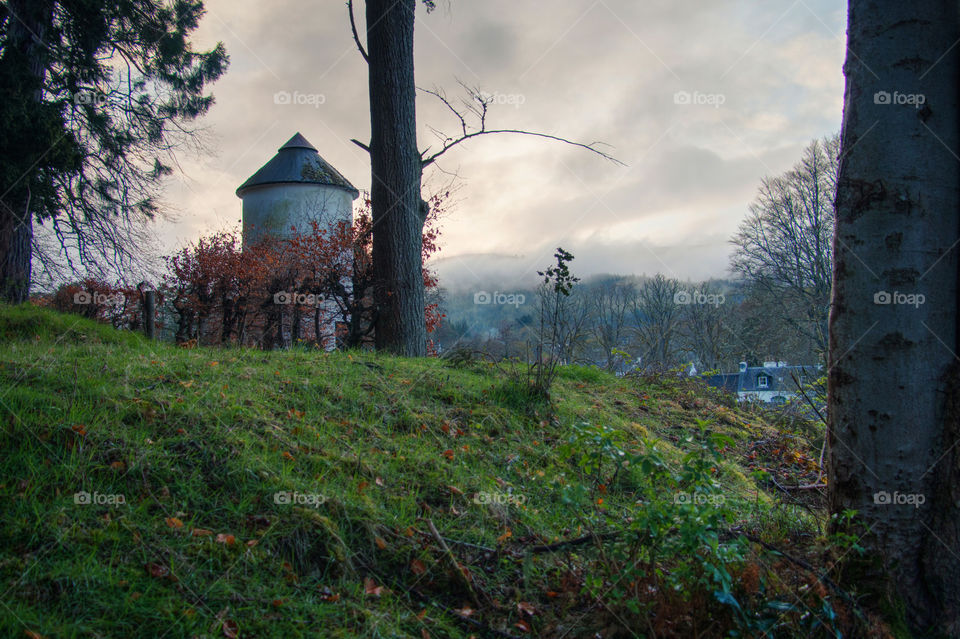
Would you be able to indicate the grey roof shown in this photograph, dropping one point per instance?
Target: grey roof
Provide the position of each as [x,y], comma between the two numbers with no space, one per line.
[780,379]
[297,162]
[729,382]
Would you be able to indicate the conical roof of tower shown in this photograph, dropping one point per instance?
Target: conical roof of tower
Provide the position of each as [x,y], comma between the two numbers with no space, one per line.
[297,162]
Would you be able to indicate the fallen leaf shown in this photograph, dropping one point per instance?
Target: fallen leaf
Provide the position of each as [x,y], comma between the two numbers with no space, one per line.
[371,588]
[466,611]
[523,606]
[505,536]
[454,490]
[201,532]
[287,455]
[226,539]
[173,522]
[417,567]
[448,454]
[157,570]
[328,595]
[230,629]
[523,625]
[118,465]
[381,543]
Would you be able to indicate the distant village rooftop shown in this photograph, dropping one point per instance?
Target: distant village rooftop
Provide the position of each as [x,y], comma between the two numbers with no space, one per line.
[297,162]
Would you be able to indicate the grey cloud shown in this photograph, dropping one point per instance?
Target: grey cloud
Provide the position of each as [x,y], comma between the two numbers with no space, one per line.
[587,70]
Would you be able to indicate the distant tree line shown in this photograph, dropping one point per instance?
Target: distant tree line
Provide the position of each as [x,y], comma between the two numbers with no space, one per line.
[775,306]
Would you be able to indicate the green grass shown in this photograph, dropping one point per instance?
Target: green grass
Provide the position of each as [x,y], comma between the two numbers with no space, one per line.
[207,437]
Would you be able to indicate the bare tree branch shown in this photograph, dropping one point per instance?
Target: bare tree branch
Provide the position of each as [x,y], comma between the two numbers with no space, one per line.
[356,36]
[478,106]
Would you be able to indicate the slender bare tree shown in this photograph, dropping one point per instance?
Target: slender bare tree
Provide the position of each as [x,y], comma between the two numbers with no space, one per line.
[656,314]
[609,302]
[784,246]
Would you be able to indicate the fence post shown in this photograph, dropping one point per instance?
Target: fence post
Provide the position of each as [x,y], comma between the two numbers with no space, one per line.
[149,305]
[149,308]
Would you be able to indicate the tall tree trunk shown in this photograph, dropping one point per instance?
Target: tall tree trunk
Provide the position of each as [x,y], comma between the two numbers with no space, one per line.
[396,172]
[23,62]
[893,390]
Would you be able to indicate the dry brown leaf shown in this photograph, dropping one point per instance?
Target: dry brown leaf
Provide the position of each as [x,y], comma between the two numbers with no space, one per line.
[230,629]
[157,570]
[371,588]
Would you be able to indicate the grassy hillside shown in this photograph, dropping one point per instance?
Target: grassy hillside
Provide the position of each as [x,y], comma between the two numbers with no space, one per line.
[155,491]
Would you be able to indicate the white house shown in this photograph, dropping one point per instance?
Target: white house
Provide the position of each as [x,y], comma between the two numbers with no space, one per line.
[774,382]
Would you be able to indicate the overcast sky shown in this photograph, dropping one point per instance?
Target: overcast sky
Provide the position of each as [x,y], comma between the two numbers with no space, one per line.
[699,99]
